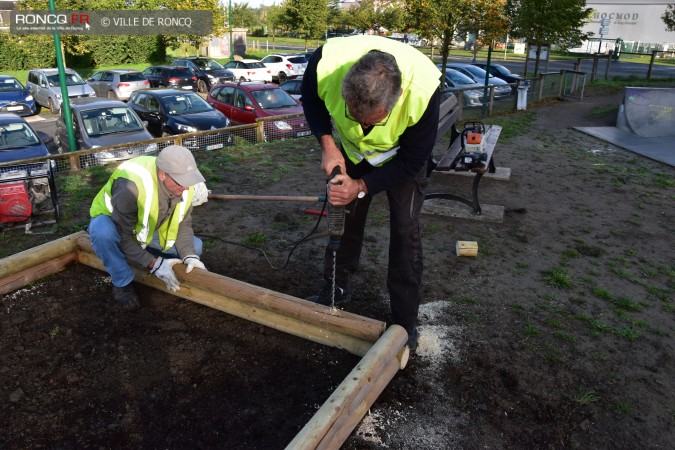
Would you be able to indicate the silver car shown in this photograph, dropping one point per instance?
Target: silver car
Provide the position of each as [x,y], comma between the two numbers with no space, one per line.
[501,87]
[45,87]
[117,84]
[99,122]
[472,92]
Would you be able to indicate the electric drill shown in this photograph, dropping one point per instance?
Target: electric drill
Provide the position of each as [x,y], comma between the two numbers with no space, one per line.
[336,218]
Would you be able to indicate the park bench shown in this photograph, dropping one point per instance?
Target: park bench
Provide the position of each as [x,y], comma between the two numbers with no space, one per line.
[451,163]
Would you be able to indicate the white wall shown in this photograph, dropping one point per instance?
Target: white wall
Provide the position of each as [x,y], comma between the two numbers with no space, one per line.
[631,21]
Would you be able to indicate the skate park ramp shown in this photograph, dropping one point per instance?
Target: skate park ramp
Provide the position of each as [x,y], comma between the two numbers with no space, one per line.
[645,124]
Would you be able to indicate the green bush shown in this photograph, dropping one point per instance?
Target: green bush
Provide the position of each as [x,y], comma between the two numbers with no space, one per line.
[31,51]
[111,50]
[19,52]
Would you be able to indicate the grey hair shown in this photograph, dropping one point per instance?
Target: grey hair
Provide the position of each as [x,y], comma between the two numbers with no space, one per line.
[374,81]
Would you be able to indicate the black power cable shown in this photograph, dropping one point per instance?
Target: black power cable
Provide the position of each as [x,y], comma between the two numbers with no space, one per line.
[288,258]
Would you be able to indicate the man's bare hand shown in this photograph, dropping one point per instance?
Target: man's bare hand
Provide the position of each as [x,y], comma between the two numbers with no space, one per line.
[342,190]
[331,156]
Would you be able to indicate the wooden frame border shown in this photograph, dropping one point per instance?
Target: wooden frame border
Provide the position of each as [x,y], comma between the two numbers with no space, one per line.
[383,350]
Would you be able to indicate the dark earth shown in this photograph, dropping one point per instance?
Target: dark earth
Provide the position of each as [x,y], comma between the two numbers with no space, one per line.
[559,334]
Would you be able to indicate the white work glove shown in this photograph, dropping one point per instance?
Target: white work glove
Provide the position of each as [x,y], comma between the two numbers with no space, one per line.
[163,269]
[192,261]
[201,194]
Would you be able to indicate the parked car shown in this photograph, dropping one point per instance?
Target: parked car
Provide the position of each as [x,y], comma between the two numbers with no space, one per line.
[171,77]
[209,72]
[307,54]
[16,98]
[249,70]
[285,67]
[501,87]
[502,72]
[455,79]
[170,111]
[292,87]
[45,87]
[117,84]
[18,140]
[100,122]
[23,187]
[245,102]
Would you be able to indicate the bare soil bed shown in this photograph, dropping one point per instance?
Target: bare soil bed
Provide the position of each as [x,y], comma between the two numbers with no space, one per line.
[559,334]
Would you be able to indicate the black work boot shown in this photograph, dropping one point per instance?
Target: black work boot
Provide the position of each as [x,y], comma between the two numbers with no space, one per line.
[342,294]
[126,297]
[413,336]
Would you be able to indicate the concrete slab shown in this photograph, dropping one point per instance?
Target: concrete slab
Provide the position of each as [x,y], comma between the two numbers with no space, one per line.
[657,148]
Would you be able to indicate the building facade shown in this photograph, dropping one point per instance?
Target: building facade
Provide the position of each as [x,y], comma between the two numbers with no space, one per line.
[637,24]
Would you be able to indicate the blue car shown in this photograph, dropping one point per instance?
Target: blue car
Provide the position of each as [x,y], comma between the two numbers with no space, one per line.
[16,98]
[169,112]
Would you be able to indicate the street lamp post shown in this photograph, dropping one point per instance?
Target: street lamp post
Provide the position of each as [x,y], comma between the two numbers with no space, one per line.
[230,26]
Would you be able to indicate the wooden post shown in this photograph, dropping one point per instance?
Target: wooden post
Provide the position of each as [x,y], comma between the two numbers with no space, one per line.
[260,131]
[651,64]
[344,409]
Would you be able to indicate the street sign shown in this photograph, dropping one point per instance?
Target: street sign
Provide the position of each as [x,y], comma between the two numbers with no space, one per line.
[604,22]
[604,31]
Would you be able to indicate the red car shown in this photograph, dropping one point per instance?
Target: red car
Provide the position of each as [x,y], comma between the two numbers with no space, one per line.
[244,102]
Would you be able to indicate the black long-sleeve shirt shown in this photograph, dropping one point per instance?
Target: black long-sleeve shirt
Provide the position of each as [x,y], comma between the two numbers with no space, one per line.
[416,142]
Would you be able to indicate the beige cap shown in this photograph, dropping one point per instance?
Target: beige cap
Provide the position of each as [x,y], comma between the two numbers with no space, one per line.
[179,164]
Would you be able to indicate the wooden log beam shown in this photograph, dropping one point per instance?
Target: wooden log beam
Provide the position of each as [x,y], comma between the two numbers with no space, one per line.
[36,255]
[343,322]
[344,409]
[190,291]
[17,280]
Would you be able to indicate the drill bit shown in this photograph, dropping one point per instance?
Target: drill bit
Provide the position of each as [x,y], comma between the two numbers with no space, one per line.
[336,227]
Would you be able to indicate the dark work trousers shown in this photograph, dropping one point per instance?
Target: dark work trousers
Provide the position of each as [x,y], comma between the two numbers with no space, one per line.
[406,262]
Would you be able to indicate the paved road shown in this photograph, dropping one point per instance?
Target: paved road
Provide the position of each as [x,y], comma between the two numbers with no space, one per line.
[45,126]
[616,68]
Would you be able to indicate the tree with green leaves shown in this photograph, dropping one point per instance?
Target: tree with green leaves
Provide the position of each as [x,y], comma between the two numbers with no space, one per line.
[436,20]
[337,17]
[486,20]
[548,22]
[362,17]
[668,17]
[243,16]
[308,17]
[274,19]
[391,16]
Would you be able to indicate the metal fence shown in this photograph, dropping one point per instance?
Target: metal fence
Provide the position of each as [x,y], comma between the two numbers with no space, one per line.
[38,180]
[563,84]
